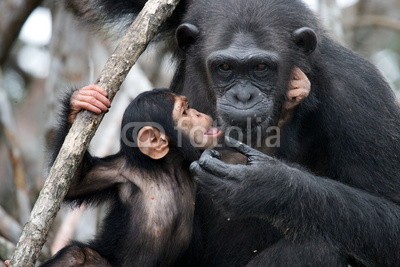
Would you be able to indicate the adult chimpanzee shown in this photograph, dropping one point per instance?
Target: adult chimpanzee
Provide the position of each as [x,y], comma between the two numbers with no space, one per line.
[332,188]
[148,182]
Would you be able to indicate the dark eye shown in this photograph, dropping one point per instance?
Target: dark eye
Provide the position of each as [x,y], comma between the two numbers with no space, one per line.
[224,67]
[261,67]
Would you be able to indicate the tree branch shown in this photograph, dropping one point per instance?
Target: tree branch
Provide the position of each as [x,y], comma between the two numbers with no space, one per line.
[13,14]
[139,34]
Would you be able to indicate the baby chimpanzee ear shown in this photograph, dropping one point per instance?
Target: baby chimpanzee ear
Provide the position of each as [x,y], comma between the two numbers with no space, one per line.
[306,39]
[152,142]
[186,34]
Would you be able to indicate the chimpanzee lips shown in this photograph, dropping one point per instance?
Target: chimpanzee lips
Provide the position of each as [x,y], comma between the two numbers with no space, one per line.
[213,131]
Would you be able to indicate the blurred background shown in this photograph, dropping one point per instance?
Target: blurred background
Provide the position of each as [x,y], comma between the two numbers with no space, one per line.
[44,51]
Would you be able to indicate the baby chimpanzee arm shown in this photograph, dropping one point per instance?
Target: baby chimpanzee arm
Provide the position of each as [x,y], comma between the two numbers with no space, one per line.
[85,184]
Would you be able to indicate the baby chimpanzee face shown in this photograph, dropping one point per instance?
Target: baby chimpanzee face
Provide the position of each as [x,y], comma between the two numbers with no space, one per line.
[195,125]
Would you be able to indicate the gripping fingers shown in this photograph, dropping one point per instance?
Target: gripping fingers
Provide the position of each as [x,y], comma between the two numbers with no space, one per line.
[91,103]
[209,182]
[298,74]
[252,154]
[241,147]
[96,95]
[201,176]
[79,105]
[215,154]
[297,95]
[95,87]
[216,166]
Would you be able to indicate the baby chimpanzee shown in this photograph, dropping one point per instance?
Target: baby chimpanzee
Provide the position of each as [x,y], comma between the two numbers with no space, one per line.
[147,183]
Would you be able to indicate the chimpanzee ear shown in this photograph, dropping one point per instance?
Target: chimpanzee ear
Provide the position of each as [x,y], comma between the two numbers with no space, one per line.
[152,142]
[306,39]
[186,34]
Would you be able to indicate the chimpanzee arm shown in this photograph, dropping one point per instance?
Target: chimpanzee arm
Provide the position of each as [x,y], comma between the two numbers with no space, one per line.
[304,206]
[94,176]
[96,183]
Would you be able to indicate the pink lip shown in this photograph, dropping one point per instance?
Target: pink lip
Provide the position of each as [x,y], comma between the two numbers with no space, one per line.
[213,131]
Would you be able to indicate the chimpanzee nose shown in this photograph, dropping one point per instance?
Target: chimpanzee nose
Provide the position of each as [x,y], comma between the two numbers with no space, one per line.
[244,96]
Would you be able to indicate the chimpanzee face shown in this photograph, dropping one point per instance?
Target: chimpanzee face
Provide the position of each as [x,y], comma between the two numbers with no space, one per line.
[244,79]
[247,75]
[196,126]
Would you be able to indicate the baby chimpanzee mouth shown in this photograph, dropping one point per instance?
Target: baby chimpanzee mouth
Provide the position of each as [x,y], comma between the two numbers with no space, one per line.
[214,131]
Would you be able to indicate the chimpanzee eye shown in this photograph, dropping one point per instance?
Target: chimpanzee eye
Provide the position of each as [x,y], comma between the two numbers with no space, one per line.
[261,67]
[224,67]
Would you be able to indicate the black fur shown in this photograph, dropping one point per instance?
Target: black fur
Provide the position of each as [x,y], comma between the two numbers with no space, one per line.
[346,135]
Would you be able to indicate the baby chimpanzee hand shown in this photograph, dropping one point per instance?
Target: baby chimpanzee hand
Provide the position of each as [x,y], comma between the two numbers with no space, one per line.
[92,98]
[298,90]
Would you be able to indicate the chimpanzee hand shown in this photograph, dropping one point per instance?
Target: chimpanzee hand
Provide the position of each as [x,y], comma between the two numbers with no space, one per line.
[241,190]
[92,98]
[298,89]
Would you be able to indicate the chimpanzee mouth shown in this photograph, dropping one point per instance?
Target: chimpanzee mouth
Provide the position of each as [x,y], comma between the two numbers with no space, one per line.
[243,118]
[214,131]
[249,122]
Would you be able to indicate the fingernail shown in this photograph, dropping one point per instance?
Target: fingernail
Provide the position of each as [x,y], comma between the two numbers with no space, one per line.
[193,166]
[215,153]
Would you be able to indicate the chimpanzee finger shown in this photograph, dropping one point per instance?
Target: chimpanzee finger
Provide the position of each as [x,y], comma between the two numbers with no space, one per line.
[98,96]
[214,153]
[299,84]
[297,95]
[95,87]
[251,153]
[91,101]
[208,181]
[241,147]
[298,74]
[217,167]
[200,175]
[295,75]
[79,105]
